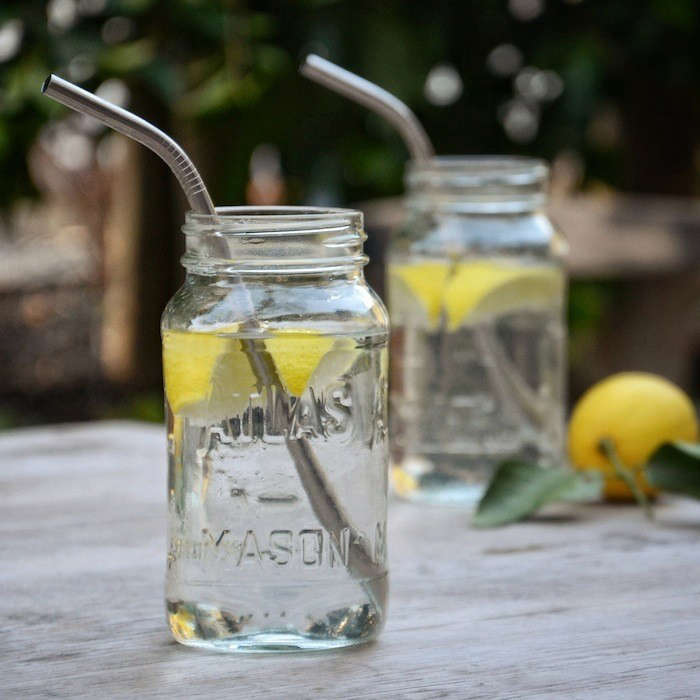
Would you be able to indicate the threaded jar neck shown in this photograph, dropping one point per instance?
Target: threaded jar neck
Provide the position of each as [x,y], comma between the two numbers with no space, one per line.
[477,184]
[274,240]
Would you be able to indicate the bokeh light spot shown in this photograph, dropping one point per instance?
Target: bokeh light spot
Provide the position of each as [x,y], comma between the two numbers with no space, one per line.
[443,85]
[526,10]
[504,60]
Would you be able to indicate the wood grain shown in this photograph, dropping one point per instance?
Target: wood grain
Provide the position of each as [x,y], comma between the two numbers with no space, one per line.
[586,601]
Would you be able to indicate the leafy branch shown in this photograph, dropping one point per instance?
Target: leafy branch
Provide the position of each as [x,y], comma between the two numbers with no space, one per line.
[518,489]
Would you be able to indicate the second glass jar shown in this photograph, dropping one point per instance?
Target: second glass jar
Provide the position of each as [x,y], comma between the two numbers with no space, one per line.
[477,288]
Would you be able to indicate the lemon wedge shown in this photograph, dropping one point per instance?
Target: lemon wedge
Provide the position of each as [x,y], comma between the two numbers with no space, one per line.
[296,355]
[487,287]
[403,482]
[206,375]
[183,624]
[467,291]
[422,282]
[337,363]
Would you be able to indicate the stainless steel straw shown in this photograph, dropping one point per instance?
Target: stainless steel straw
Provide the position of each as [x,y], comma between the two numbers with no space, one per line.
[373,97]
[321,497]
[138,129]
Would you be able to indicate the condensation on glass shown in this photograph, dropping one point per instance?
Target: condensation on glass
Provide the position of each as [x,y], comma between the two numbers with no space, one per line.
[476,295]
[275,368]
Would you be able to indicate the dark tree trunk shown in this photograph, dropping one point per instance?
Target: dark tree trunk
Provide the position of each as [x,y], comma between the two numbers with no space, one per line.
[661,133]
[159,248]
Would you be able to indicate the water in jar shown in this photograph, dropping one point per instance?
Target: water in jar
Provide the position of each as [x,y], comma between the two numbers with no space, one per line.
[264,552]
[477,370]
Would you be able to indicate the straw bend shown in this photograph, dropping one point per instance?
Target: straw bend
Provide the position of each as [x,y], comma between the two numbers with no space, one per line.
[138,129]
[373,97]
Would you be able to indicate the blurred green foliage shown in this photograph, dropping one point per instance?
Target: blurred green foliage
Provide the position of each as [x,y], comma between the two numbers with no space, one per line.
[589,304]
[147,406]
[222,75]
[227,71]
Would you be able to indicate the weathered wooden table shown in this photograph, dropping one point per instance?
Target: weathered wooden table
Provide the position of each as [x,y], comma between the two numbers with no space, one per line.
[582,602]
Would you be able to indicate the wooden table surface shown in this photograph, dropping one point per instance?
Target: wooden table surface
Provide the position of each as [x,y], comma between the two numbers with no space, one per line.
[582,602]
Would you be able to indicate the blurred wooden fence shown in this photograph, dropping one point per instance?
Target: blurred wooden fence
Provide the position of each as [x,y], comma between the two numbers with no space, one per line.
[79,309]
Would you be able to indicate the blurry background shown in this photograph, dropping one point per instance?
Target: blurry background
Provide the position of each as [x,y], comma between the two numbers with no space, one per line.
[607,90]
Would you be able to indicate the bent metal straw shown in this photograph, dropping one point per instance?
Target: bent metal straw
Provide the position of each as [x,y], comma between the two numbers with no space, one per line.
[322,499]
[373,97]
[140,130]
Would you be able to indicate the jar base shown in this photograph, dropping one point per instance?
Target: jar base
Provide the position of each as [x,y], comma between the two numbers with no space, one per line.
[455,494]
[458,480]
[218,628]
[271,642]
[445,480]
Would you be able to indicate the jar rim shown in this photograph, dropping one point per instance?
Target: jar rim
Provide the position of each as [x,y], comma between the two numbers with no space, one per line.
[274,240]
[496,184]
[476,170]
[279,220]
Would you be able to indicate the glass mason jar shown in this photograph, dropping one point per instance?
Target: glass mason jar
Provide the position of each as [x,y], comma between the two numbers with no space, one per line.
[477,288]
[275,369]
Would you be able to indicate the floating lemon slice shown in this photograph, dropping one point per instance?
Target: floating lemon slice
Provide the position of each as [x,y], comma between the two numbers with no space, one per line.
[209,376]
[418,282]
[486,287]
[403,482]
[296,355]
[183,624]
[343,359]
[384,363]
[468,291]
[206,375]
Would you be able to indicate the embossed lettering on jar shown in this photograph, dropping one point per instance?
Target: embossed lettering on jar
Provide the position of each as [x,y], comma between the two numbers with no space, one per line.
[274,355]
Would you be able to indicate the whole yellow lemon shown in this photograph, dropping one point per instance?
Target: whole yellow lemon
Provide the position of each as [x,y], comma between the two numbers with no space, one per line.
[638,412]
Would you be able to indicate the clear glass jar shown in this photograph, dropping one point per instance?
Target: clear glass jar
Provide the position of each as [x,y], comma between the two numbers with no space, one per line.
[477,288]
[275,371]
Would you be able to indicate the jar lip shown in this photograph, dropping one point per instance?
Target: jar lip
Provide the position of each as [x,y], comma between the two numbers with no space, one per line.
[263,240]
[478,170]
[273,220]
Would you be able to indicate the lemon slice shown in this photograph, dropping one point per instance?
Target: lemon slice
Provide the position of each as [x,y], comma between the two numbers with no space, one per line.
[418,282]
[343,359]
[183,624]
[486,287]
[403,482]
[296,355]
[384,363]
[209,376]
[206,375]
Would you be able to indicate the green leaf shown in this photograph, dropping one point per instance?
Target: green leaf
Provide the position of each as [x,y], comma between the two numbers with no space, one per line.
[519,488]
[583,488]
[675,466]
[136,7]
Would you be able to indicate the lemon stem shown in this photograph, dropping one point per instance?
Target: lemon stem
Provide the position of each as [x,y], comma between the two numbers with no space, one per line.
[607,447]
